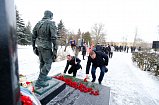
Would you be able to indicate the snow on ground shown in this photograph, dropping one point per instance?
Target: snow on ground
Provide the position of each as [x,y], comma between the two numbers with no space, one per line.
[129,85]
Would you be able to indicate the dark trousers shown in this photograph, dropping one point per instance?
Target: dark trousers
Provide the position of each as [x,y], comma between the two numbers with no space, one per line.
[83,53]
[73,69]
[103,69]
[110,54]
[83,57]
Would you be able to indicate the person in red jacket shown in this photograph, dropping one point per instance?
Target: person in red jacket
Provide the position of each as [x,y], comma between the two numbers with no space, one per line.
[97,59]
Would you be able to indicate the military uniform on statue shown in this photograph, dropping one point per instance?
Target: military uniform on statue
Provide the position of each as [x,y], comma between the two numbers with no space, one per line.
[44,36]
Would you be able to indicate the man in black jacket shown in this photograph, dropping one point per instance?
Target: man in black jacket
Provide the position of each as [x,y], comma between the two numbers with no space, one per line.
[98,59]
[75,65]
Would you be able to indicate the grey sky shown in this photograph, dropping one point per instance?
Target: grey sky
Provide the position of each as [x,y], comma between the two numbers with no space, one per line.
[120,17]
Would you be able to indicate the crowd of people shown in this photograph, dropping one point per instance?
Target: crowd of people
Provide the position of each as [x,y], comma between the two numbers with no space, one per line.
[98,56]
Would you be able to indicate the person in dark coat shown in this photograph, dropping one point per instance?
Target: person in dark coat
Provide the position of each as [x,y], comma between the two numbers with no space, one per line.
[109,50]
[83,51]
[75,65]
[98,47]
[98,59]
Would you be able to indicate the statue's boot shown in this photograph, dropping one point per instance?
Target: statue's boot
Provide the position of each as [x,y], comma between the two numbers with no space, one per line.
[41,84]
[45,70]
[47,78]
[41,81]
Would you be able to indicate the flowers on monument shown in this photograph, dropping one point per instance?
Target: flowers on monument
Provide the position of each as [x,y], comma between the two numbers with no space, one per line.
[85,80]
[28,85]
[22,78]
[96,93]
[23,82]
[26,100]
[28,97]
[25,96]
[80,85]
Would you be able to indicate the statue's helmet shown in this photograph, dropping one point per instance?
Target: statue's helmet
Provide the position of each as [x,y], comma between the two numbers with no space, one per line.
[48,14]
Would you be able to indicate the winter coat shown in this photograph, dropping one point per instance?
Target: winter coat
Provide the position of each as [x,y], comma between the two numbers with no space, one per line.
[72,62]
[100,60]
[98,48]
[83,50]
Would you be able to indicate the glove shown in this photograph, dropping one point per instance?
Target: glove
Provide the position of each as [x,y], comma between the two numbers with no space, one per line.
[34,47]
[33,44]
[35,50]
[54,56]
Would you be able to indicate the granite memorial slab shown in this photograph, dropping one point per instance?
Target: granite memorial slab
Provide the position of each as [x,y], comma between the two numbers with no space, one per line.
[72,96]
[48,93]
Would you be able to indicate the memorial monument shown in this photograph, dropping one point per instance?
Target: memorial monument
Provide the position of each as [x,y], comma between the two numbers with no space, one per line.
[9,79]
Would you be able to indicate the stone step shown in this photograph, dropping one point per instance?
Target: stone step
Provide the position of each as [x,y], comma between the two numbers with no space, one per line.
[71,96]
[63,97]
[46,94]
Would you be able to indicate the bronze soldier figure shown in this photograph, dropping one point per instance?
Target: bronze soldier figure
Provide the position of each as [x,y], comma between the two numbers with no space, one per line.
[44,36]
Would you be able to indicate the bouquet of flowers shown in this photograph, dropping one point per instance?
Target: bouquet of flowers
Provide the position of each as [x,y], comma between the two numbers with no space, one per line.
[27,92]
[23,82]
[28,98]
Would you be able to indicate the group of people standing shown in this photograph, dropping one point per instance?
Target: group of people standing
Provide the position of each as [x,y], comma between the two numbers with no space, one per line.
[107,49]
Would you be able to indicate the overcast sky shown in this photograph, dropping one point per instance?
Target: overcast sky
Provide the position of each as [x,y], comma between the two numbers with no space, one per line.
[120,17]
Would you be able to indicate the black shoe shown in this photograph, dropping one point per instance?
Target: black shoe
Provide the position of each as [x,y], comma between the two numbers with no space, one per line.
[100,82]
[106,70]
[93,80]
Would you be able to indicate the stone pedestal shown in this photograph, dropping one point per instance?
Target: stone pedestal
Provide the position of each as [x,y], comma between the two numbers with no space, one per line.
[45,95]
[87,99]
[71,96]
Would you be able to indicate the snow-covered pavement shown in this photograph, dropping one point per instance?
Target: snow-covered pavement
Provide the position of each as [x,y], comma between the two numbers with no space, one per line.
[129,85]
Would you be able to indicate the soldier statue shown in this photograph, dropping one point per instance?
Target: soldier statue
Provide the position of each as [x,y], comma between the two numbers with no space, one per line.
[44,37]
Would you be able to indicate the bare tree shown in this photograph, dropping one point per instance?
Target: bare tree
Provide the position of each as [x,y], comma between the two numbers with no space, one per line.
[98,33]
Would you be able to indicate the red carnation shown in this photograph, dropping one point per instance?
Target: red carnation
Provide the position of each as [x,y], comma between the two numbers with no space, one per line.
[85,80]
[26,100]
[79,86]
